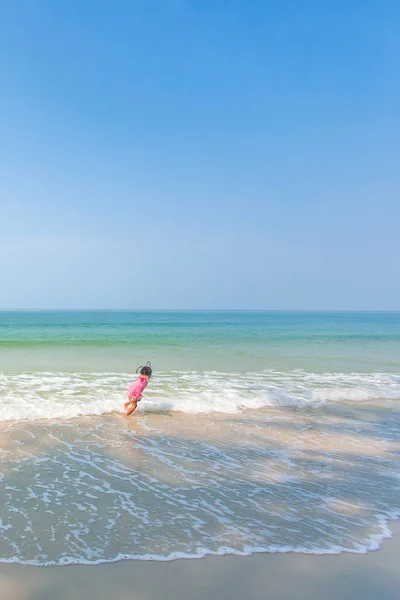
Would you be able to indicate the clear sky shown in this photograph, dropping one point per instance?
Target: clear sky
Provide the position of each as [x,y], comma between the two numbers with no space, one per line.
[200,154]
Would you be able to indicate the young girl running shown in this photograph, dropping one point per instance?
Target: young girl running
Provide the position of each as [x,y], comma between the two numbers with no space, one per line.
[136,388]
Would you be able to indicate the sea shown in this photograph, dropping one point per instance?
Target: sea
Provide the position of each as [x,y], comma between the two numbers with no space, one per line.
[258,432]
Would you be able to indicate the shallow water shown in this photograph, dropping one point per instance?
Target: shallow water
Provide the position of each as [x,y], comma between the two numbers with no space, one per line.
[258,432]
[163,486]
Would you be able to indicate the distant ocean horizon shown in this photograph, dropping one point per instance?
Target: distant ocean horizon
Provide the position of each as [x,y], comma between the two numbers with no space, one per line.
[262,310]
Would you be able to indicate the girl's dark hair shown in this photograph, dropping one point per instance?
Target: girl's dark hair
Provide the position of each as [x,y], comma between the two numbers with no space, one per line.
[146,370]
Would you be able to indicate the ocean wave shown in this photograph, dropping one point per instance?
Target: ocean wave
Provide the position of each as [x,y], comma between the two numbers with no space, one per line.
[49,395]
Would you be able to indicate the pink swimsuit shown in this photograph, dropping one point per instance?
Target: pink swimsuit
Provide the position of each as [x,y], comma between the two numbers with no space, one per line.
[136,388]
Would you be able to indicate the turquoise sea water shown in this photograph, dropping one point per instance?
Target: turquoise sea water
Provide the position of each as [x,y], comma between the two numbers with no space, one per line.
[222,341]
[259,431]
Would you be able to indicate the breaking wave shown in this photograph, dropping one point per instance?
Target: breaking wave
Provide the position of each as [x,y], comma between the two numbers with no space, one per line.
[51,395]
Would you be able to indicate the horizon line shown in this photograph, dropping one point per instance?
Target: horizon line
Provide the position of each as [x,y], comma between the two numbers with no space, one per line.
[281,310]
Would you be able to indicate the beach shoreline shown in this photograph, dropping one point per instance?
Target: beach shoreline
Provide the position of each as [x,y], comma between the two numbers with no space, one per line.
[285,453]
[291,576]
[94,490]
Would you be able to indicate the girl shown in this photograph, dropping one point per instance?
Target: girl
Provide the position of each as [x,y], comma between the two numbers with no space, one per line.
[136,388]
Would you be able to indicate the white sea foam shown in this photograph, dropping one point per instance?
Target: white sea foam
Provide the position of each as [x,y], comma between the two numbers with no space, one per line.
[43,395]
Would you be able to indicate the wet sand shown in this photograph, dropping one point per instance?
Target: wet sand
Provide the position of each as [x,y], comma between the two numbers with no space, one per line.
[94,490]
[257,577]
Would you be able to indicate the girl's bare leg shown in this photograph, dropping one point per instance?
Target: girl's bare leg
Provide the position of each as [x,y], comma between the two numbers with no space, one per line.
[133,405]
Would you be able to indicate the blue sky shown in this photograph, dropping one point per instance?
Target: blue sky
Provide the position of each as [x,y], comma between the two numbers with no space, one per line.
[200,154]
